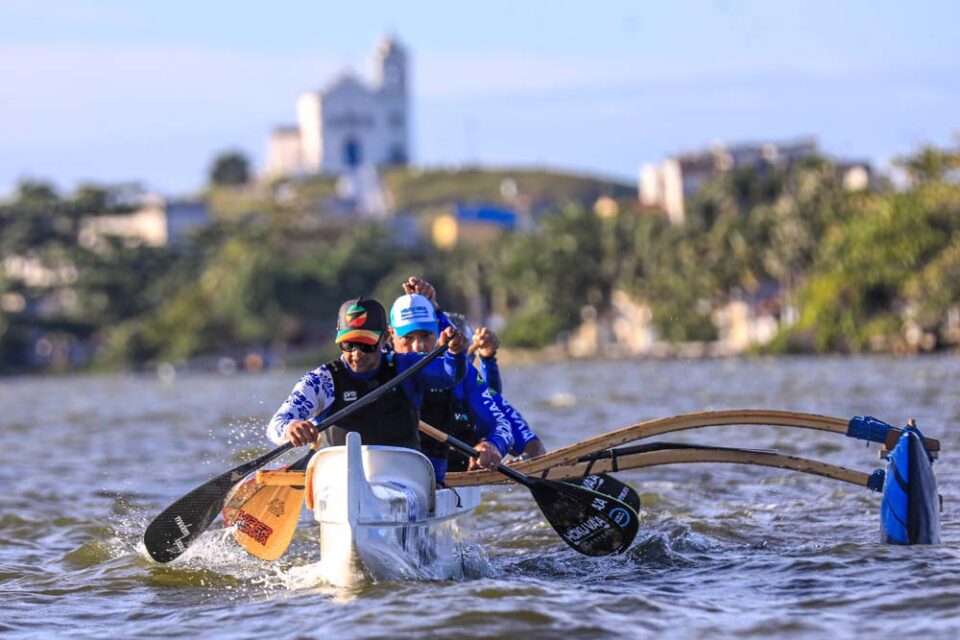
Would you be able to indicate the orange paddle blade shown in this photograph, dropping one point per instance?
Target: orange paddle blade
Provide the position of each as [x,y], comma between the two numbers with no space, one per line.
[267,521]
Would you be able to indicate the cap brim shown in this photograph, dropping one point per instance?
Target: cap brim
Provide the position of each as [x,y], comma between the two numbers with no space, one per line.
[416,326]
[363,336]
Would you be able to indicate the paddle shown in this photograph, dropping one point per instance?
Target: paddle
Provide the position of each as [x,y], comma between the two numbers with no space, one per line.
[266,515]
[592,523]
[175,529]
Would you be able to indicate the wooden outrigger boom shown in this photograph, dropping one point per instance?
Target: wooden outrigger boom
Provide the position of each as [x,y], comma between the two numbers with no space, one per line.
[692,454]
[651,428]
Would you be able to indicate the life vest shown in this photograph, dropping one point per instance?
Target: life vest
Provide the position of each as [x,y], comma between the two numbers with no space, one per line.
[442,410]
[391,420]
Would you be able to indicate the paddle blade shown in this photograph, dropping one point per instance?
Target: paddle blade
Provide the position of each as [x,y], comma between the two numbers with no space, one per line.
[182,522]
[609,486]
[267,522]
[591,523]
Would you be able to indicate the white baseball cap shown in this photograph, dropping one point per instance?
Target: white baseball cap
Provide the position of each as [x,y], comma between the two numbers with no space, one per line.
[413,312]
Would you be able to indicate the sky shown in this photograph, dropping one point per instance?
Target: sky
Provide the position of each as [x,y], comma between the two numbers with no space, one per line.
[110,91]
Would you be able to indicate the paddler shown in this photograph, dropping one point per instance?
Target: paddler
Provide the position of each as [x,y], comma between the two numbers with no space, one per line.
[526,443]
[471,411]
[362,367]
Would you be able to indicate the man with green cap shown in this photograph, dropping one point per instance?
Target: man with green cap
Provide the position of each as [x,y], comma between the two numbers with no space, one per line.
[362,367]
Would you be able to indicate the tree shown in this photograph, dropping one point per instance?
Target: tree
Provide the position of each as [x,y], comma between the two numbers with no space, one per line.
[230,168]
[36,191]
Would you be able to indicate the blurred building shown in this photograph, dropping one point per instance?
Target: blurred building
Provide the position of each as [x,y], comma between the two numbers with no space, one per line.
[749,319]
[156,223]
[472,224]
[667,185]
[626,329]
[349,123]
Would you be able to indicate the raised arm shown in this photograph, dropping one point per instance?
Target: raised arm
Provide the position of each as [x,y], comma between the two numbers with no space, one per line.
[486,343]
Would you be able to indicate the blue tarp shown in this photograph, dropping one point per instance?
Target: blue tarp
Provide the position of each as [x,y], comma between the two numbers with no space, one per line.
[487,214]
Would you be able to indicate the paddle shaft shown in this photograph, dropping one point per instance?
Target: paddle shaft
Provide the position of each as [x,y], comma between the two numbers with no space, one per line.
[466,449]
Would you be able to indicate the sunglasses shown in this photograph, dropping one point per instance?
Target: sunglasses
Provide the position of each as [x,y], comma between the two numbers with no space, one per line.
[347,347]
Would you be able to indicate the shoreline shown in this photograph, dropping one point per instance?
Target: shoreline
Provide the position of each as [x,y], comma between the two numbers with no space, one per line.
[303,360]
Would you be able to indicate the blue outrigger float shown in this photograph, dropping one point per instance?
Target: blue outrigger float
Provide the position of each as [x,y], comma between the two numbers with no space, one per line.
[910,510]
[910,505]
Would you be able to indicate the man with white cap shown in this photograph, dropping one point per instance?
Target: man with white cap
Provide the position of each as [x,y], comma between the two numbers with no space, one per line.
[362,367]
[414,326]
[526,443]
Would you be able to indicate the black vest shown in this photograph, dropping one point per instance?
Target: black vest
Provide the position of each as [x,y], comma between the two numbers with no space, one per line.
[391,420]
[441,410]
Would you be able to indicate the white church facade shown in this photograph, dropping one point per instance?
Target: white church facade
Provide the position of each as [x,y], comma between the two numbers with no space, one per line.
[350,124]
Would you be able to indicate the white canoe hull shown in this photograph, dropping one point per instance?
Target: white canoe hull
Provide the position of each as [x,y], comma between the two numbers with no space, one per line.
[382,518]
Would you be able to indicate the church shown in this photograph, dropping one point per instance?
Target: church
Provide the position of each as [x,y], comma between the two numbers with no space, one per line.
[350,124]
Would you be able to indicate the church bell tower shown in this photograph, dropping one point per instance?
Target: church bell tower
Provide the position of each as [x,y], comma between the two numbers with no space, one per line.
[391,68]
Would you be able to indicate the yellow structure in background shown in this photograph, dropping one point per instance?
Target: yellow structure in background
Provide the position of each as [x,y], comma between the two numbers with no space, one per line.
[606,208]
[471,225]
[445,232]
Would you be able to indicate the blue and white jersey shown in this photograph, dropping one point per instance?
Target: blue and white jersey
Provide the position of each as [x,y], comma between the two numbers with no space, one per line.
[487,410]
[314,393]
[521,433]
[521,430]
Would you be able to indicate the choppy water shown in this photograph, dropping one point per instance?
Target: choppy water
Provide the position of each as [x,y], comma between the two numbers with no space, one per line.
[724,551]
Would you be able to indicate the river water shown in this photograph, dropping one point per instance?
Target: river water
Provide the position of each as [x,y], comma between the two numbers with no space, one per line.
[724,551]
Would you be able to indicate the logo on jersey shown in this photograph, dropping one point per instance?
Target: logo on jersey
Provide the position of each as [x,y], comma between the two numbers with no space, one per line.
[349,396]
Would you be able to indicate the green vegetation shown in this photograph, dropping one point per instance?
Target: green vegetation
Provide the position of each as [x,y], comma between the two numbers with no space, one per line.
[416,190]
[230,168]
[865,271]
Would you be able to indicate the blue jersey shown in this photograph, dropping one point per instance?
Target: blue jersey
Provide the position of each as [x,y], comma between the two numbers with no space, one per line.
[520,429]
[487,410]
[521,434]
[490,371]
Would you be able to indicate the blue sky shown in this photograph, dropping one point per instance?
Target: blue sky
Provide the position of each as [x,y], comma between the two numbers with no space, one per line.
[114,91]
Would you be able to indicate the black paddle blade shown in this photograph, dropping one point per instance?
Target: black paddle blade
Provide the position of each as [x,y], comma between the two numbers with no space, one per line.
[592,523]
[609,486]
[181,523]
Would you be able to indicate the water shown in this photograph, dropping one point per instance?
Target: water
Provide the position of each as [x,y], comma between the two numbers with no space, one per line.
[724,551]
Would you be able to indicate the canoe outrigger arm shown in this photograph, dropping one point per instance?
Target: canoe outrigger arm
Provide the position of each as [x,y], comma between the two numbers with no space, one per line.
[910,508]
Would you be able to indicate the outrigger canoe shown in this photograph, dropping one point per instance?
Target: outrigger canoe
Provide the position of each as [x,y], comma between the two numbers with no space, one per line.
[390,508]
